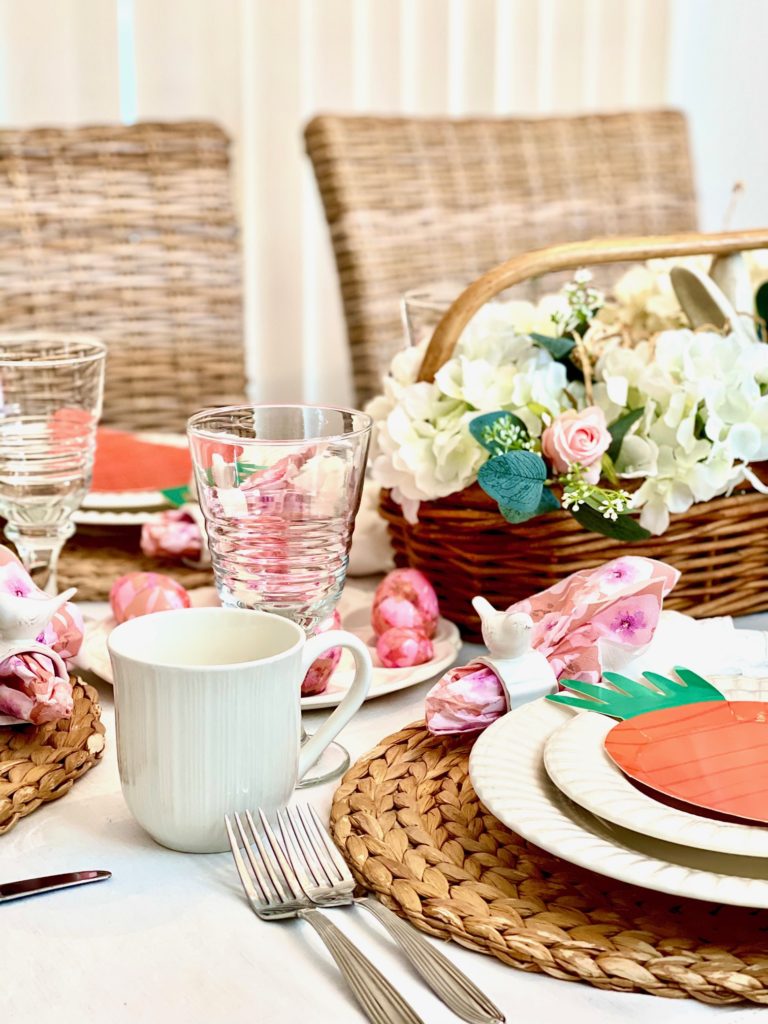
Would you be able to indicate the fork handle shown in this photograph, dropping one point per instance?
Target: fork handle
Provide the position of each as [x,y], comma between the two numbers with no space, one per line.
[382,1003]
[445,979]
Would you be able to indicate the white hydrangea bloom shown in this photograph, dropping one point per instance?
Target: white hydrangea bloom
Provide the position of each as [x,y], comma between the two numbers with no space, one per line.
[704,396]
[705,416]
[422,447]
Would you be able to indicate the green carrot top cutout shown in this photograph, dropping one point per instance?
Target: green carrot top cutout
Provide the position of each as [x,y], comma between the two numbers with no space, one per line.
[626,698]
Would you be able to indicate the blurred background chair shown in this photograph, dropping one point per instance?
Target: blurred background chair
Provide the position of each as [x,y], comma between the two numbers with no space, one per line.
[129,233]
[414,201]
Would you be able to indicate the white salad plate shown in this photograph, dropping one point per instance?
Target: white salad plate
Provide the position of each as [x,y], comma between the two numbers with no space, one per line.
[577,762]
[507,771]
[355,611]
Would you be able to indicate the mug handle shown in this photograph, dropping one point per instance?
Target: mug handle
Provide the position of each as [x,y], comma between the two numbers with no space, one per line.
[353,698]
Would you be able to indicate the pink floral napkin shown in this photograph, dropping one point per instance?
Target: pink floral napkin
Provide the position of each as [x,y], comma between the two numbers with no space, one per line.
[618,604]
[33,687]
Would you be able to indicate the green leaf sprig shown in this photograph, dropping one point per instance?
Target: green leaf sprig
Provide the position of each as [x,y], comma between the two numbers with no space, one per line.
[516,478]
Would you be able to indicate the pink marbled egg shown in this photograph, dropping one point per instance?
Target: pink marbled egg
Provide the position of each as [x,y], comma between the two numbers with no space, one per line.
[320,671]
[402,647]
[405,598]
[141,593]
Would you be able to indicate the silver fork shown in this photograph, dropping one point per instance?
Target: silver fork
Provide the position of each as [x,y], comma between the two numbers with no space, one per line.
[274,893]
[326,879]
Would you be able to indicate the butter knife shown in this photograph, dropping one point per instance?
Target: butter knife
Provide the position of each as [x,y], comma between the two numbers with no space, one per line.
[33,886]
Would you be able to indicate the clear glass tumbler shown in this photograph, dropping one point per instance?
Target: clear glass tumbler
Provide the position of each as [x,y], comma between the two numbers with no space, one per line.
[51,389]
[280,486]
[422,309]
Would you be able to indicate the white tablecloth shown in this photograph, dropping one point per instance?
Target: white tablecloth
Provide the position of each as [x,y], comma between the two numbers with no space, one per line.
[170,939]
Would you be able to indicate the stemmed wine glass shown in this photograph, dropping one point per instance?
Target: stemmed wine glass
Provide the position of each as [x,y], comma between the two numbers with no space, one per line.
[280,486]
[51,390]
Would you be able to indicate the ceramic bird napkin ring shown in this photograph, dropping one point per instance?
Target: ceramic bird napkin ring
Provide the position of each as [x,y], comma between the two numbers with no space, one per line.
[589,624]
[38,635]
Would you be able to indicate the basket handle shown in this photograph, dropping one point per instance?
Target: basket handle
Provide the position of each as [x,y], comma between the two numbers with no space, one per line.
[567,257]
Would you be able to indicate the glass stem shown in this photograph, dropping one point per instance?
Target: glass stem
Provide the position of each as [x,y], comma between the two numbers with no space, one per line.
[39,550]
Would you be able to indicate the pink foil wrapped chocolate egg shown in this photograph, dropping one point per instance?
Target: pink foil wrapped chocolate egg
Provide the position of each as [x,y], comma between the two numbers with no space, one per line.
[141,593]
[320,671]
[171,534]
[401,647]
[405,598]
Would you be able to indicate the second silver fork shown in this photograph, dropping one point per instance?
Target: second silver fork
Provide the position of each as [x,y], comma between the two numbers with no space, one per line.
[274,893]
[325,878]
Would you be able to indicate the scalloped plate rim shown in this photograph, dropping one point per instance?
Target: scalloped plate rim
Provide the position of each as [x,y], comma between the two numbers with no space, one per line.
[578,765]
[507,772]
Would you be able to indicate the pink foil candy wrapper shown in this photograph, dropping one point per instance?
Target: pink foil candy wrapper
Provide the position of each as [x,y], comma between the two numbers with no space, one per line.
[172,534]
[32,687]
[401,647]
[320,671]
[406,598]
[619,603]
[141,593]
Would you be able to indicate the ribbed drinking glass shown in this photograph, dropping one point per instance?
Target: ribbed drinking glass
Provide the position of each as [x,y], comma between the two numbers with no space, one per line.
[280,486]
[51,389]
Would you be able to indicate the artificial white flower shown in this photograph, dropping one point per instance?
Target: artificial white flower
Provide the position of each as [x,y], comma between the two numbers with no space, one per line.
[704,396]
[638,457]
[657,498]
[422,447]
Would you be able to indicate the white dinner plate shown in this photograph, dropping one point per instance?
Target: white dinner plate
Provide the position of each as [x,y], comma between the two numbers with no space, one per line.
[355,611]
[577,762]
[507,771]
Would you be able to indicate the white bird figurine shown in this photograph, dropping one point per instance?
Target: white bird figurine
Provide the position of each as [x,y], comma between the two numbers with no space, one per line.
[524,673]
[506,634]
[23,618]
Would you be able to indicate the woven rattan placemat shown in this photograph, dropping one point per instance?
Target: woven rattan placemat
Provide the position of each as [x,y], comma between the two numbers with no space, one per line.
[40,763]
[409,823]
[94,558]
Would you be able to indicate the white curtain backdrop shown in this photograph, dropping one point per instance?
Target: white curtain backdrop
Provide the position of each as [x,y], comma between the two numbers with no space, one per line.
[263,67]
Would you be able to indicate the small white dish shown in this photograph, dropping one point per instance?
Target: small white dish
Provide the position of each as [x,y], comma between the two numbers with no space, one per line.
[507,771]
[355,611]
[98,517]
[576,761]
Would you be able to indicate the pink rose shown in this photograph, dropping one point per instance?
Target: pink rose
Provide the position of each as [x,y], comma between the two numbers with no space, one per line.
[580,437]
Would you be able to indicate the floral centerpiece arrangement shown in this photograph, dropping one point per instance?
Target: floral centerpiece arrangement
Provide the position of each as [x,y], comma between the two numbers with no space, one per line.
[602,406]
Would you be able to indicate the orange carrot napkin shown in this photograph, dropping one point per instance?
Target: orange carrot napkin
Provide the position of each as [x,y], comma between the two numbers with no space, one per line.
[126,462]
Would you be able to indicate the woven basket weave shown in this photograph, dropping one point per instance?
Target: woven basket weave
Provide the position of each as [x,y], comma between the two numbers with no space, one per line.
[129,233]
[466,547]
[411,201]
[96,556]
[40,763]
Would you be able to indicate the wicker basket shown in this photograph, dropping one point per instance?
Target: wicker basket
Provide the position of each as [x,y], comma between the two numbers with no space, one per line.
[466,547]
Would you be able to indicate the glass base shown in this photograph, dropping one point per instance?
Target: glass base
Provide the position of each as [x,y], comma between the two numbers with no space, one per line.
[39,548]
[332,764]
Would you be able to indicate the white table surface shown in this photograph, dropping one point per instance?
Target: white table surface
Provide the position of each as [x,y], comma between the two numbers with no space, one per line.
[170,939]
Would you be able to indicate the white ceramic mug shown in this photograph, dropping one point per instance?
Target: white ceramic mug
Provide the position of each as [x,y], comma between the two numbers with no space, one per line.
[209,716]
